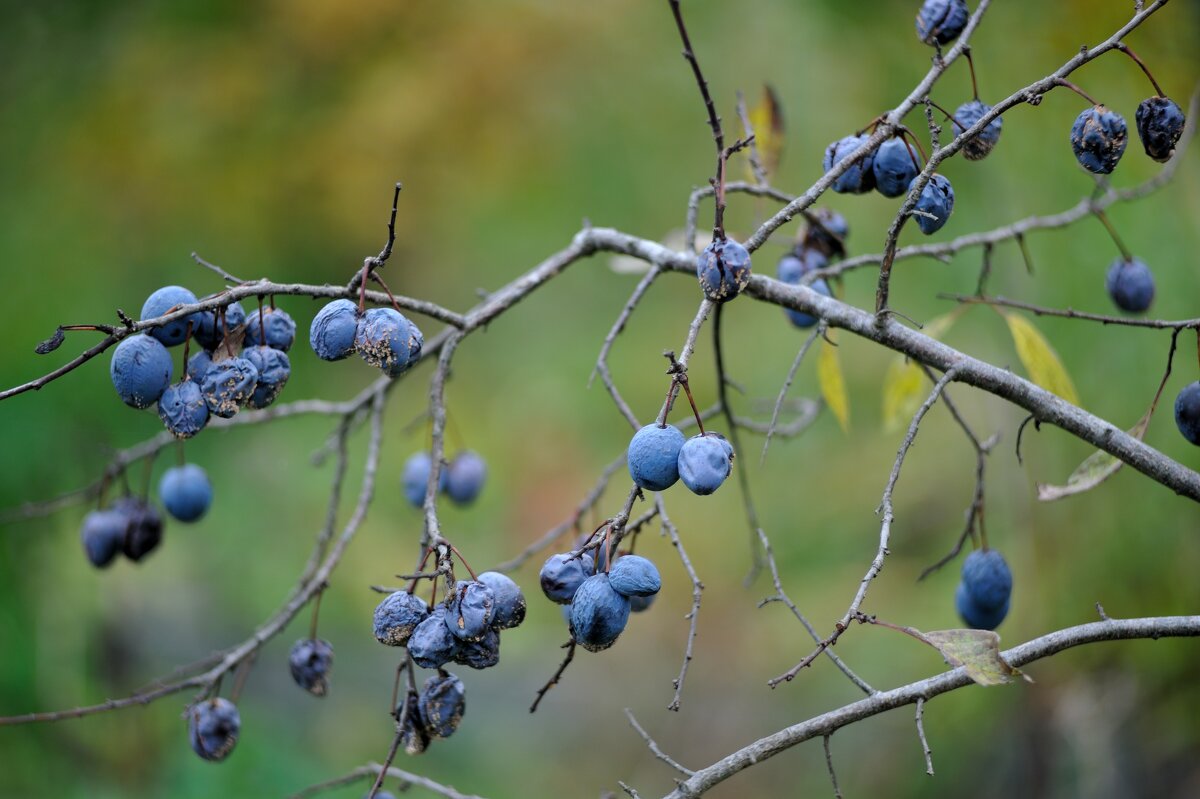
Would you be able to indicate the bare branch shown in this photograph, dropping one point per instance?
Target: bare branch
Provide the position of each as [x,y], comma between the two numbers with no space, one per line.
[654,748]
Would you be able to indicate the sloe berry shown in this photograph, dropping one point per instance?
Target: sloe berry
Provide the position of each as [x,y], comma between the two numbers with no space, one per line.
[470,611]
[481,654]
[209,332]
[102,533]
[976,616]
[465,477]
[412,732]
[1159,122]
[561,576]
[894,167]
[978,146]
[598,614]
[385,339]
[442,703]
[182,409]
[416,478]
[432,645]
[653,456]
[723,268]
[633,575]
[144,527]
[198,364]
[510,602]
[1187,412]
[140,370]
[310,661]
[1098,139]
[185,492]
[162,301]
[1130,284]
[397,616]
[799,262]
[987,579]
[936,202]
[274,368]
[228,385]
[213,727]
[941,21]
[640,604]
[279,326]
[704,462]
[333,329]
[859,178]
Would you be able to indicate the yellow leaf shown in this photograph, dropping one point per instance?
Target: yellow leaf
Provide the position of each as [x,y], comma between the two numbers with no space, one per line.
[904,385]
[1040,359]
[833,383]
[978,651]
[766,119]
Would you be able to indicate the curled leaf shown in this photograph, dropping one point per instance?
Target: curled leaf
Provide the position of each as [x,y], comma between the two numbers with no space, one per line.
[1039,358]
[976,650]
[833,383]
[51,344]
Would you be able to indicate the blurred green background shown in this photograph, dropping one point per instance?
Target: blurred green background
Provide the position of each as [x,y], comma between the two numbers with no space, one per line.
[267,136]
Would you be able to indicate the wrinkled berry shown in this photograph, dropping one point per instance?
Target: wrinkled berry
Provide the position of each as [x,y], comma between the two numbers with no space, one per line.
[704,462]
[441,704]
[471,610]
[1187,412]
[141,370]
[412,732]
[185,492]
[279,326]
[598,614]
[209,331]
[1130,284]
[416,478]
[397,616]
[1098,138]
[432,645]
[481,654]
[144,527]
[333,329]
[273,368]
[1159,122]
[183,410]
[464,477]
[510,602]
[653,456]
[936,202]
[310,661]
[228,385]
[162,301]
[385,339]
[102,533]
[213,727]
[561,577]
[987,579]
[941,21]
[633,575]
[978,146]
[894,167]
[976,616]
[723,268]
[859,178]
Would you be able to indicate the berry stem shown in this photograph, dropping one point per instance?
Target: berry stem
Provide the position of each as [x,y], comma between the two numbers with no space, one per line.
[1025,253]
[1067,84]
[687,389]
[262,328]
[966,51]
[420,569]
[1112,231]
[375,276]
[909,147]
[949,116]
[462,560]
[187,343]
[396,691]
[312,627]
[1127,50]
[179,454]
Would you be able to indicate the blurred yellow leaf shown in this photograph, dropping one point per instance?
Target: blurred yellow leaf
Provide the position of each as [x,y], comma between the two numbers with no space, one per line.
[1040,359]
[766,118]
[833,383]
[903,386]
[978,651]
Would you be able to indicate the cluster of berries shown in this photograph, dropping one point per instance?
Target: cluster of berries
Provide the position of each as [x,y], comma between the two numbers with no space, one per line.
[1100,134]
[659,456]
[383,337]
[461,480]
[598,596]
[983,594]
[824,239]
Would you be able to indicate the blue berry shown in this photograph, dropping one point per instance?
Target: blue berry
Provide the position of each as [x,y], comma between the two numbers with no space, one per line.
[470,611]
[431,644]
[310,661]
[213,728]
[598,614]
[397,616]
[894,167]
[228,385]
[279,326]
[102,533]
[183,410]
[441,704]
[640,604]
[385,339]
[1098,138]
[561,576]
[633,575]
[274,368]
[798,263]
[987,579]
[801,319]
[162,301]
[653,456]
[723,268]
[858,179]
[209,332]
[1187,412]
[481,654]
[185,492]
[464,477]
[416,478]
[937,199]
[143,531]
[510,602]
[1130,284]
[140,370]
[978,146]
[198,364]
[941,21]
[333,329]
[704,462]
[975,615]
[1159,122]
[412,732]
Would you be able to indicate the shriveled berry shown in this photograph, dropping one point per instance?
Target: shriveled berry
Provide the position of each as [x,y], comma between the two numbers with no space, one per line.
[412,732]
[185,492]
[210,330]
[1098,139]
[1130,284]
[213,728]
[857,179]
[723,268]
[162,301]
[228,385]
[978,146]
[895,166]
[415,478]
[1187,412]
[987,578]
[279,327]
[562,575]
[397,616]
[510,602]
[936,203]
[385,339]
[333,329]
[102,534]
[182,409]
[653,456]
[144,527]
[1160,123]
[140,370]
[274,369]
[470,611]
[941,21]
[464,477]
[198,364]
[481,654]
[598,614]
[704,462]
[310,661]
[633,575]
[442,703]
[432,645]
[976,616]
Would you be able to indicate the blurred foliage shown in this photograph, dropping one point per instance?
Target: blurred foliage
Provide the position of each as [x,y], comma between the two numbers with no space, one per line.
[267,135]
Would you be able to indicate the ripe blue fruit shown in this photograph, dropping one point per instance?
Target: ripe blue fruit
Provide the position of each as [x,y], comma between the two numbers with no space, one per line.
[894,167]
[279,327]
[941,21]
[441,704]
[333,329]
[470,611]
[198,364]
[978,146]
[858,179]
[561,576]
[416,478]
[987,579]
[1187,412]
[1098,139]
[185,492]
[937,199]
[510,602]
[164,300]
[1159,122]
[633,575]
[723,269]
[976,616]
[653,456]
[213,728]
[412,732]
[1130,284]
[465,477]
[310,661]
[273,368]
[431,644]
[481,654]
[385,339]
[704,462]
[397,616]
[102,534]
[143,530]
[209,332]
[799,262]
[228,385]
[598,614]
[182,409]
[140,370]
[415,342]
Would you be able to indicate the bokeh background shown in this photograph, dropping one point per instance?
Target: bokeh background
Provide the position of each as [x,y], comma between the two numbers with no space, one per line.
[267,136]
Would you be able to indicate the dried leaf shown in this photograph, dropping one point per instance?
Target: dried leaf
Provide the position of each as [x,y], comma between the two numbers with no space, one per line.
[833,383]
[904,384]
[978,651]
[1040,359]
[51,344]
[766,118]
[1095,469]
